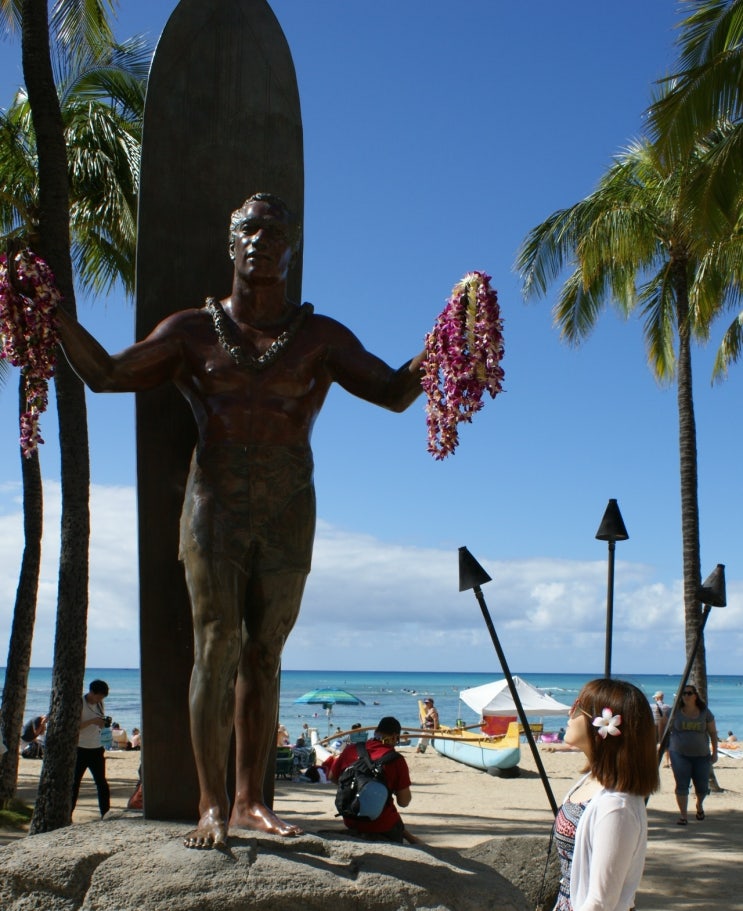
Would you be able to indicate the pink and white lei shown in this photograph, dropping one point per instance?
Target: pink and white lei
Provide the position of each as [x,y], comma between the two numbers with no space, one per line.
[461,360]
[28,333]
[607,723]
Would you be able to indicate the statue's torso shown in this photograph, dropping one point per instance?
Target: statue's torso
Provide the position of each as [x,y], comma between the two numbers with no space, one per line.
[232,403]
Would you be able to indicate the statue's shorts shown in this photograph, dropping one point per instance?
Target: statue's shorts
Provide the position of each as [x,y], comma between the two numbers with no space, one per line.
[253,505]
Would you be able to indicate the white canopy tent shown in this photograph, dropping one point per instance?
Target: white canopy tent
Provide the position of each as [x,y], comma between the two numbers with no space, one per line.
[495,699]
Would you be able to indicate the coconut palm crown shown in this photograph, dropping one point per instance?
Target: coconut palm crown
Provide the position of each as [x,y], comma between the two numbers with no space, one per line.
[101,99]
[634,243]
[702,108]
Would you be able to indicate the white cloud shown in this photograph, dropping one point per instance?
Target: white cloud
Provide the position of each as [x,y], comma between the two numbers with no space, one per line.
[371,604]
[113,637]
[380,605]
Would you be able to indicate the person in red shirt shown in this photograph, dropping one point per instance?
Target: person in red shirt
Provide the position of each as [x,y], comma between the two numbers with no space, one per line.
[389,825]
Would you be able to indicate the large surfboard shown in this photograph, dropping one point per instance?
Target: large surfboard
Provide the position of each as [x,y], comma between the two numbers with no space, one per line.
[222,121]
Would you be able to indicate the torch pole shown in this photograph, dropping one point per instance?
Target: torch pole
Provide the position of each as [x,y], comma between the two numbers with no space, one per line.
[517,701]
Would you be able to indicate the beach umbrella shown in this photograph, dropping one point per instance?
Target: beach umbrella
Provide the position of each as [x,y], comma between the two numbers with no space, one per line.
[328,698]
[496,699]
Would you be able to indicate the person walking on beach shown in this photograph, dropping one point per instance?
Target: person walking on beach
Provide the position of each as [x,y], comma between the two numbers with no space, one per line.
[661,714]
[90,754]
[388,826]
[429,722]
[693,732]
[601,828]
[255,369]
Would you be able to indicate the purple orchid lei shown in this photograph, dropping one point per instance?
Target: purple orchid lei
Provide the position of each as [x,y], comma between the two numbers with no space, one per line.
[462,360]
[28,304]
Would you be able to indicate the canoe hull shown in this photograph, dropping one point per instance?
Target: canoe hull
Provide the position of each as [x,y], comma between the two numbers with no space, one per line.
[478,753]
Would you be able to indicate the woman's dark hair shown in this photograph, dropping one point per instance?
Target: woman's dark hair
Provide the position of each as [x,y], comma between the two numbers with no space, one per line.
[629,761]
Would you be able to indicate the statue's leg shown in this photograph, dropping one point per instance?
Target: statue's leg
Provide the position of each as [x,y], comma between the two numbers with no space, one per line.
[272,607]
[216,590]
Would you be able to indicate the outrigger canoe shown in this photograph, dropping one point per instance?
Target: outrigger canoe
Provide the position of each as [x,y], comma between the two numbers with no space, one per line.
[479,752]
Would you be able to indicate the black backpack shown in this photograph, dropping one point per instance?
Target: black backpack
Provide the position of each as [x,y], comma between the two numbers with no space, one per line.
[362,790]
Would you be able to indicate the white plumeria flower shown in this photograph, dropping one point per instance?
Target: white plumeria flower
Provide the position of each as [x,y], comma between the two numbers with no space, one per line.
[607,723]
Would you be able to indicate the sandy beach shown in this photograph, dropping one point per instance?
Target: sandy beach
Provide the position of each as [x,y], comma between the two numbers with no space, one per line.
[693,867]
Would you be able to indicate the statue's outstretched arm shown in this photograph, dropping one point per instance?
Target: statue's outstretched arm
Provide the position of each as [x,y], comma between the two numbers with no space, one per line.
[367,376]
[141,366]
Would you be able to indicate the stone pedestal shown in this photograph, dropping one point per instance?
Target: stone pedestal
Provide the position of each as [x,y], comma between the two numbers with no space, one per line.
[133,864]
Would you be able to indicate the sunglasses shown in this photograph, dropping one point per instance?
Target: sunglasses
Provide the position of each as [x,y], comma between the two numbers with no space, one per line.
[688,693]
[577,707]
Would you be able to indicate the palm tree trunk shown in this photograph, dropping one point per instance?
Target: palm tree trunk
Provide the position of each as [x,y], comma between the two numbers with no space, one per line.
[54,799]
[693,610]
[24,617]
[689,487]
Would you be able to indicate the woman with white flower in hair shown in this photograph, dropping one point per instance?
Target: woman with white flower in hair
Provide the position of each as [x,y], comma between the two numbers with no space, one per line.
[601,828]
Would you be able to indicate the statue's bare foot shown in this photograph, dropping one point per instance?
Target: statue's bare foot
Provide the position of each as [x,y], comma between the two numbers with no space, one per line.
[211,831]
[257,817]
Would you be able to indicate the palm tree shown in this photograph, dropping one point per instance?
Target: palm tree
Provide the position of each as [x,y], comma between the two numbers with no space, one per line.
[708,91]
[101,202]
[634,243]
[103,140]
[24,617]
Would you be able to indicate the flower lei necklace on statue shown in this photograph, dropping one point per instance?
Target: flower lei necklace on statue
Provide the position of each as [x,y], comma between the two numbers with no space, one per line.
[229,337]
[462,360]
[28,303]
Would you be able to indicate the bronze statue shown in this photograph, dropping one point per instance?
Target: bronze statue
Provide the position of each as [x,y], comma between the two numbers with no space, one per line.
[255,369]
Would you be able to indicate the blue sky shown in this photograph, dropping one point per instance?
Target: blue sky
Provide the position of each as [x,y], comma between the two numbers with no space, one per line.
[435,138]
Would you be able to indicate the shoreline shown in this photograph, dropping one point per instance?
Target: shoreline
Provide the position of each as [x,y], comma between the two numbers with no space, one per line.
[690,868]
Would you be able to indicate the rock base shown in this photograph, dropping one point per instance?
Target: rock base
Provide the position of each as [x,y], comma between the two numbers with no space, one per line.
[133,864]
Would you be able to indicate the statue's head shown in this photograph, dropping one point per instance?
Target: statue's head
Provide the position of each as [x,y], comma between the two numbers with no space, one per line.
[281,210]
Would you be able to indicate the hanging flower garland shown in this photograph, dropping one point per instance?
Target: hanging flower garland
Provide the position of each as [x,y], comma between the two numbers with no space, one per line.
[28,303]
[462,360]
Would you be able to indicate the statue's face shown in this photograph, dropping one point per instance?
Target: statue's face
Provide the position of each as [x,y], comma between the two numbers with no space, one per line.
[262,244]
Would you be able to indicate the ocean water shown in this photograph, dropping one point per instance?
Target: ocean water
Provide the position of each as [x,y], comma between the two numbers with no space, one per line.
[389,693]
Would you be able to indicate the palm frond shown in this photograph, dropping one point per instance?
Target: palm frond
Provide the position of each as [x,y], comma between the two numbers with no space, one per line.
[577,308]
[546,251]
[730,349]
[619,239]
[713,27]
[644,239]
[104,154]
[119,89]
[658,308]
[717,284]
[118,76]
[18,166]
[81,25]
[102,101]
[709,84]
[11,15]
[716,190]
